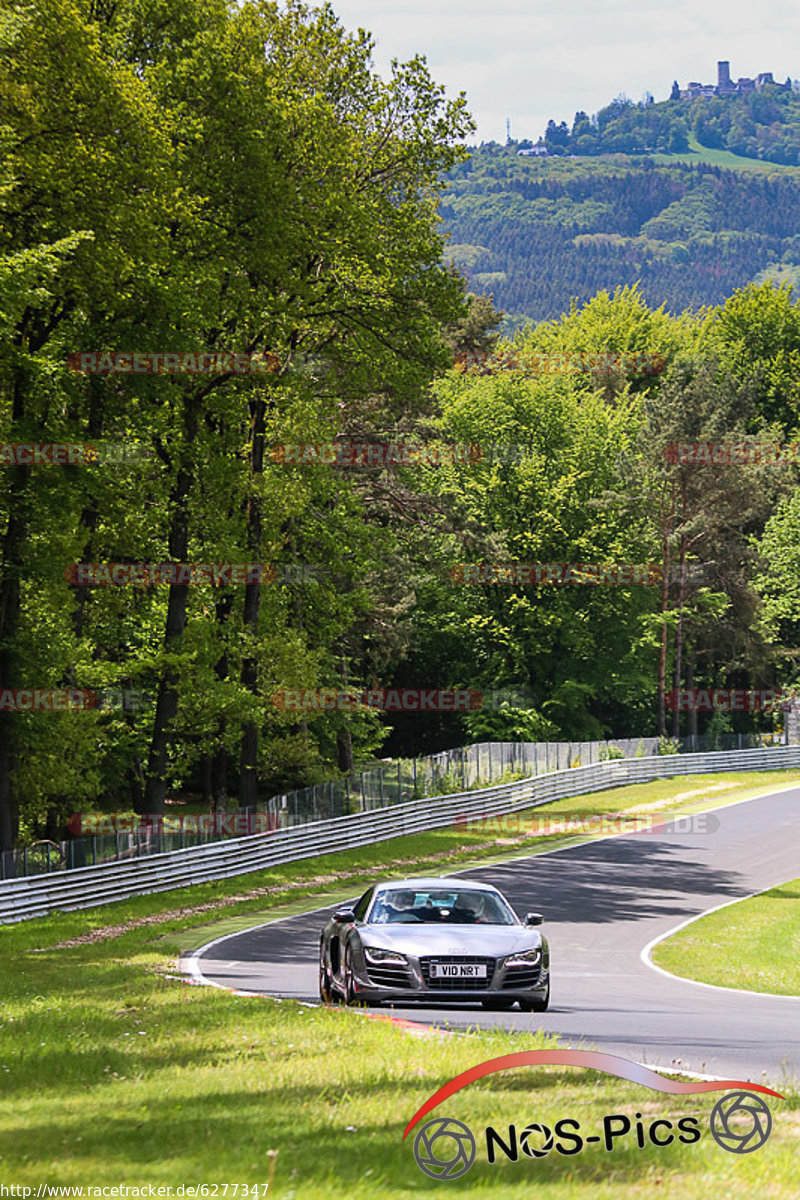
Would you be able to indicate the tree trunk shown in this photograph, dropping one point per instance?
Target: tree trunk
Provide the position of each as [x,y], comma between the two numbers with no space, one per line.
[12,551]
[344,751]
[167,703]
[248,757]
[692,716]
[676,677]
[218,765]
[666,530]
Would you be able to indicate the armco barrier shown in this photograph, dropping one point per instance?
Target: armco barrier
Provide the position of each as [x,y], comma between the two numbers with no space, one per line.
[88,887]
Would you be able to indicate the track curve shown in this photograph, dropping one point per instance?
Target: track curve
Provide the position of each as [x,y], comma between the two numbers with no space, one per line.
[604,903]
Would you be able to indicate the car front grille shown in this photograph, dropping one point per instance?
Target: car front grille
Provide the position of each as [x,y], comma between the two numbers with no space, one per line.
[521,977]
[457,985]
[389,975]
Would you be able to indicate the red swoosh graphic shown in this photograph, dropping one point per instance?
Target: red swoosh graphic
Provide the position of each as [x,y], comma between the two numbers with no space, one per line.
[611,1064]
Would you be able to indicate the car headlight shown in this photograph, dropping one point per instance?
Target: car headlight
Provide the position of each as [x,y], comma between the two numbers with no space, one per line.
[525,958]
[374,955]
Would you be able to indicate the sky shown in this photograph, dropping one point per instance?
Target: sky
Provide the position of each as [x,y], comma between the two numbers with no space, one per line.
[529,61]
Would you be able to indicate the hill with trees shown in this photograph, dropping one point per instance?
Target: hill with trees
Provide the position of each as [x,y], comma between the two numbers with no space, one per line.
[763,124]
[539,234]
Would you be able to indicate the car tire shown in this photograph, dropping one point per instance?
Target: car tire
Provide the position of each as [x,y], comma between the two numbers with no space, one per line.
[349,990]
[537,1003]
[501,1004]
[327,993]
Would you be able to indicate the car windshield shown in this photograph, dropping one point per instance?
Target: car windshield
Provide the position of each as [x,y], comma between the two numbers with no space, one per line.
[456,906]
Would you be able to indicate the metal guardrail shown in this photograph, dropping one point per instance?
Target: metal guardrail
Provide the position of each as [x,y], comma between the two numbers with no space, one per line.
[467,768]
[89,887]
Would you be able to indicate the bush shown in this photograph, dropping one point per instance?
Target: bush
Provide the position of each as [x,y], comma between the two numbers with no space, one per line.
[609,752]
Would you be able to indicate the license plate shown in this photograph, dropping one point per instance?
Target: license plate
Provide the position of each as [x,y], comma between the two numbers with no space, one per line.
[458,970]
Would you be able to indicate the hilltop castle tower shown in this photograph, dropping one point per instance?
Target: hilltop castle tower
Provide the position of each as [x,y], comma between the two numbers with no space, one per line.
[725,86]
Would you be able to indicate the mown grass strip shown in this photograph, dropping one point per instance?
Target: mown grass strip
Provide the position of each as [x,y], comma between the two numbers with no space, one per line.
[754,944]
[111,1074]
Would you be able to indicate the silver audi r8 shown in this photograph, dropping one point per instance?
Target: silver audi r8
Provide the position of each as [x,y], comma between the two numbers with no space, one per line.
[434,940]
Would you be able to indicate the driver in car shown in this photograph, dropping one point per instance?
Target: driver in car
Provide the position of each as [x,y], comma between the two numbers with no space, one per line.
[401,906]
[468,908]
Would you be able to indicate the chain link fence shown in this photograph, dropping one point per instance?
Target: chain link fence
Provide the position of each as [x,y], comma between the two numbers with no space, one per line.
[391,782]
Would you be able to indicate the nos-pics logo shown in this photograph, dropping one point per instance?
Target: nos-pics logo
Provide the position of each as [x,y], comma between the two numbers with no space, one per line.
[445,1149]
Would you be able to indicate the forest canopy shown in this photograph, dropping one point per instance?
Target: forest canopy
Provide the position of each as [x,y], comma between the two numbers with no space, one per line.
[250,245]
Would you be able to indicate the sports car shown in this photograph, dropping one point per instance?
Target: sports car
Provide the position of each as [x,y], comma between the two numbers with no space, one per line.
[434,940]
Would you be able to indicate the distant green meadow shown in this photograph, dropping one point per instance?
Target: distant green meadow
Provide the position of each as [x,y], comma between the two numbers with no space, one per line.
[723,158]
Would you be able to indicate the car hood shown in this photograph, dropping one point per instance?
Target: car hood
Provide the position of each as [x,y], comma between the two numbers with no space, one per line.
[493,940]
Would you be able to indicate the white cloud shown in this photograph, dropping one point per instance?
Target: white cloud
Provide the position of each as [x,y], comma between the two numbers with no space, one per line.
[530,61]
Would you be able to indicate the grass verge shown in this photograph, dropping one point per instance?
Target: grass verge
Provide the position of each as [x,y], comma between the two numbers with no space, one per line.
[112,1074]
[754,944]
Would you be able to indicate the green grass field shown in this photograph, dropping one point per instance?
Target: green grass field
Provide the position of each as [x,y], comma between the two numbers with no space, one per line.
[754,944]
[722,158]
[115,1071]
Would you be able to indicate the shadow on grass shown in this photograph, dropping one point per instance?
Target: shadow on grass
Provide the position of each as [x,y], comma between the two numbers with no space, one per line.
[338,1145]
[789,892]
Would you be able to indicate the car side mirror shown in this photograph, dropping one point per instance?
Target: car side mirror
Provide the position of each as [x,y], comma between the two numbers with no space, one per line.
[344,916]
[534,919]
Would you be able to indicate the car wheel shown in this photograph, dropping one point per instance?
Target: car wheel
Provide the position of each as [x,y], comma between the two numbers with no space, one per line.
[349,988]
[537,1004]
[501,1004]
[326,990]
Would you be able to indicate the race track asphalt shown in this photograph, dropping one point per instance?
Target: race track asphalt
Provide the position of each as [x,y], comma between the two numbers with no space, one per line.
[603,903]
